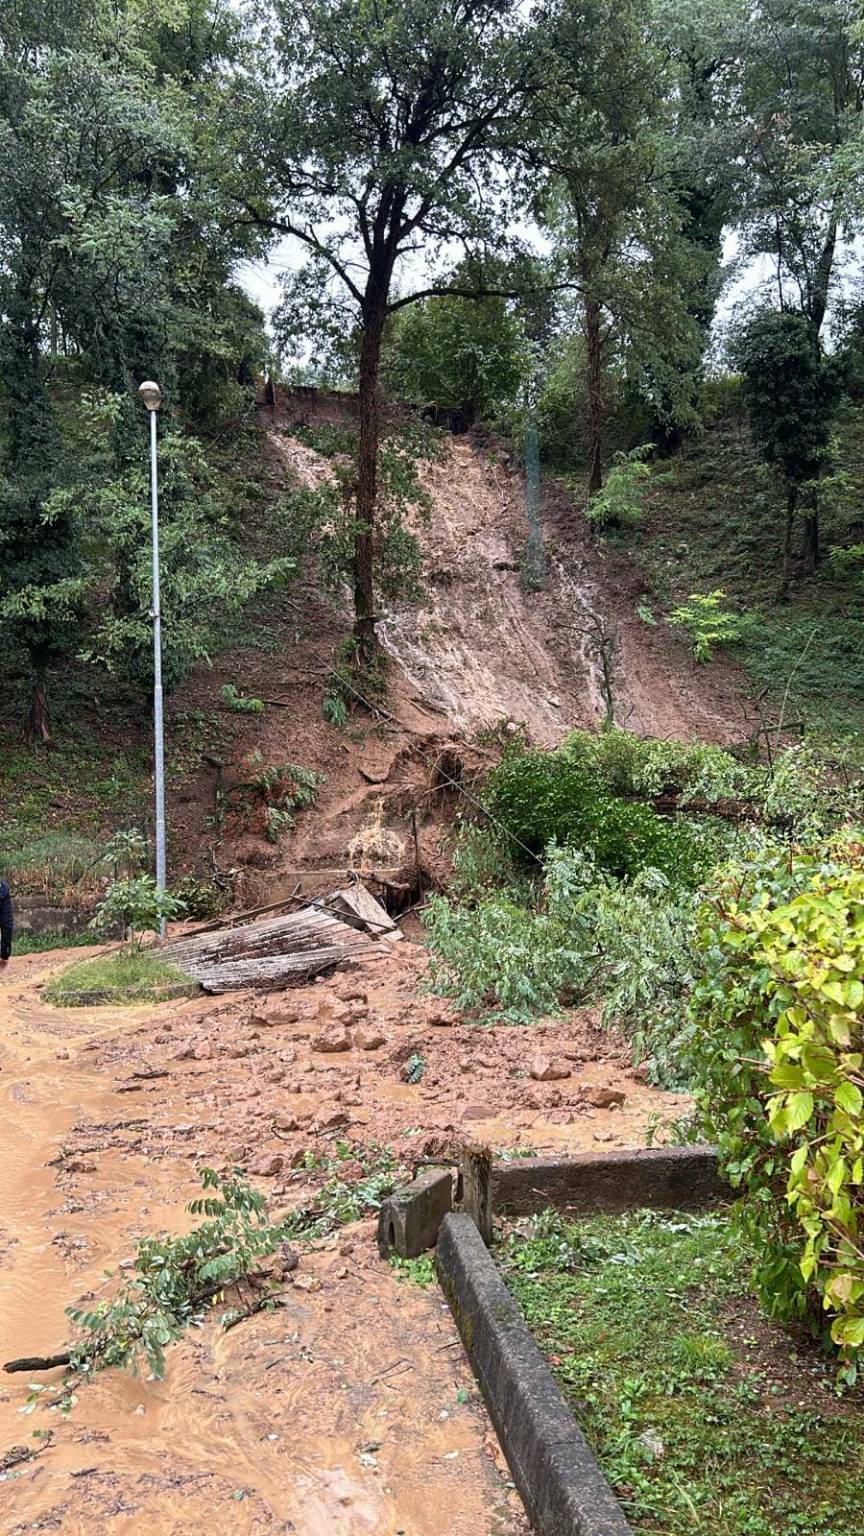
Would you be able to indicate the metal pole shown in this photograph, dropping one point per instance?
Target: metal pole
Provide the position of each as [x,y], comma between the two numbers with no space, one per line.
[157,676]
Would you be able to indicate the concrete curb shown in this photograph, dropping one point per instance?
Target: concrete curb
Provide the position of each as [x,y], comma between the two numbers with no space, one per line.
[677,1178]
[562,1487]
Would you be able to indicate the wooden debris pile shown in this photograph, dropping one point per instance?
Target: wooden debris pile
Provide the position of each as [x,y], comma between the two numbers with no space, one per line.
[276,950]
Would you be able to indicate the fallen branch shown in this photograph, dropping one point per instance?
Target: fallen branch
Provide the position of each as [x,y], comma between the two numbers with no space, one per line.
[37,1363]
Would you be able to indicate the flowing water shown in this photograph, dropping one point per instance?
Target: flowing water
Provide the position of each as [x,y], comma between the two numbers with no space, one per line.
[341,1413]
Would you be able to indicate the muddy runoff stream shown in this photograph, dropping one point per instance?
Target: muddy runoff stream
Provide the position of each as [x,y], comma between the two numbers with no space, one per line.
[347,1410]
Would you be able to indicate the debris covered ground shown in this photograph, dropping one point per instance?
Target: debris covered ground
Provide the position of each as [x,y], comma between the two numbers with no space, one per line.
[349,1408]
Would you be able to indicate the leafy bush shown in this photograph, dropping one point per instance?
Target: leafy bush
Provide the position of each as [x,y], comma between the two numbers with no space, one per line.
[136,907]
[544,797]
[579,935]
[174,1278]
[620,503]
[777,1053]
[271,794]
[240,704]
[706,621]
[504,957]
[200,898]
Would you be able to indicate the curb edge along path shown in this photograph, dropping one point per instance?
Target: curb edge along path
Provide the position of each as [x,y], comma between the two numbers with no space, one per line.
[562,1487]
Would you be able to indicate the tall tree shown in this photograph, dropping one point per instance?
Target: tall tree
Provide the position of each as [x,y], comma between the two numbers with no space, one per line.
[380,128]
[606,195]
[792,391]
[114,266]
[803,96]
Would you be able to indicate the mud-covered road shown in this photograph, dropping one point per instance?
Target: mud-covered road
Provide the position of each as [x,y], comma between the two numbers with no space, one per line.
[350,1408]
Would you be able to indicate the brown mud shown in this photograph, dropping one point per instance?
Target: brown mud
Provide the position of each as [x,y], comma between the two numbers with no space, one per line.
[349,1409]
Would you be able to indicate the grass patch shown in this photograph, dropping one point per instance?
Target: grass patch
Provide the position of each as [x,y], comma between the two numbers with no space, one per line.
[51,863]
[706,1419]
[127,975]
[38,943]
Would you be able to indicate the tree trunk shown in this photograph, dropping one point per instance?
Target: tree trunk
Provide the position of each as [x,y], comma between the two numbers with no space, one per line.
[367,484]
[791,504]
[37,727]
[595,396]
[822,278]
[811,539]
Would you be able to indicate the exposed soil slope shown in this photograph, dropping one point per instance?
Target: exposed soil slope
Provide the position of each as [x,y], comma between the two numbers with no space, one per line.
[479,651]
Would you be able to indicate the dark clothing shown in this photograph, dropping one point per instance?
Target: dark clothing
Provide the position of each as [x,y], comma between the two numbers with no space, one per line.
[6,924]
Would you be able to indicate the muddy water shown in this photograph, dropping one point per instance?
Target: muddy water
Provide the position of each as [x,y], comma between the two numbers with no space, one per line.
[341,1413]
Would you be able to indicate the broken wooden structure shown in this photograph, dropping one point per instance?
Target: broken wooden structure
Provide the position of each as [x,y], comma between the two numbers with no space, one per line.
[275,950]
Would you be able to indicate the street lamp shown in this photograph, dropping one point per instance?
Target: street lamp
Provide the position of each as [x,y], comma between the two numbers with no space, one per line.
[151,395]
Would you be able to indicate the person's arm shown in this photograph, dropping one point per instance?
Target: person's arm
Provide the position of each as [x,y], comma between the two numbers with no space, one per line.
[6,924]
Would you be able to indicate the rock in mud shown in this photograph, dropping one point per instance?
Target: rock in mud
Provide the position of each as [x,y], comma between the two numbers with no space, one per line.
[369,1038]
[333,1040]
[544,1070]
[349,991]
[605,1098]
[334,1121]
[268,1165]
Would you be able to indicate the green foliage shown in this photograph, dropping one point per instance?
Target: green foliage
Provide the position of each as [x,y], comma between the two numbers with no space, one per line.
[778,1057]
[40,943]
[135,906]
[619,504]
[541,797]
[201,899]
[704,1419]
[175,1279]
[127,976]
[238,703]
[415,1068]
[461,354]
[791,391]
[49,863]
[207,580]
[708,623]
[270,795]
[126,853]
[419,1271]
[119,248]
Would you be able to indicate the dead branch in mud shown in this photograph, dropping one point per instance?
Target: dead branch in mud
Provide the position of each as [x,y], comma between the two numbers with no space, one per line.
[37,1363]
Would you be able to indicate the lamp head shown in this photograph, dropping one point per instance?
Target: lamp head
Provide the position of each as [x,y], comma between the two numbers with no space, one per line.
[151,394]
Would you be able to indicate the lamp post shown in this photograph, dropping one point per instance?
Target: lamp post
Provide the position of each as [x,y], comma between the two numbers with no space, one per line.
[151,395]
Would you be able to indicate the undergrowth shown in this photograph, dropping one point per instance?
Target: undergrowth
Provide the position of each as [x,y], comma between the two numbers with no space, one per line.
[705,1420]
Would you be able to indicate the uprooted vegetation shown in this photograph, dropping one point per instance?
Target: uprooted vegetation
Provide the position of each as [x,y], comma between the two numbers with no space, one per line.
[727,944]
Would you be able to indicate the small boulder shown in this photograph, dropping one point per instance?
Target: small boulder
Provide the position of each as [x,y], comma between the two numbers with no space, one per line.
[202,1051]
[368,1038]
[334,1121]
[544,1070]
[268,1165]
[605,1098]
[333,1040]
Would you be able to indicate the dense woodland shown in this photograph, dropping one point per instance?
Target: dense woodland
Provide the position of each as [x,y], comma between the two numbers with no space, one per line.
[618,239]
[524,216]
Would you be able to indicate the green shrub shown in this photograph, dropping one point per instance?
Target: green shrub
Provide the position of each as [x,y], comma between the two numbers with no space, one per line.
[200,898]
[620,503]
[777,1052]
[238,703]
[136,907]
[706,621]
[504,958]
[545,797]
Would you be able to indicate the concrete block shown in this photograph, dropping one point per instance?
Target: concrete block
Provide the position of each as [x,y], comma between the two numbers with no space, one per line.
[671,1178]
[561,1485]
[410,1218]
